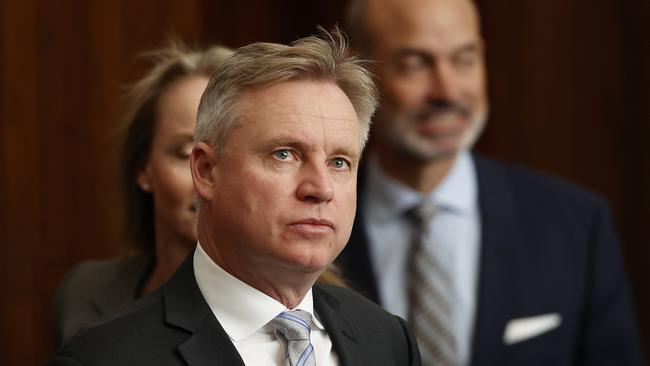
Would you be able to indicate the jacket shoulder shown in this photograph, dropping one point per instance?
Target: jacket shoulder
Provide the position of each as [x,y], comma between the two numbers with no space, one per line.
[113,279]
[140,329]
[86,276]
[530,185]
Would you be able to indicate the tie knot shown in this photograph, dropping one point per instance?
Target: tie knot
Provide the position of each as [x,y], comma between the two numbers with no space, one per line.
[293,325]
[422,214]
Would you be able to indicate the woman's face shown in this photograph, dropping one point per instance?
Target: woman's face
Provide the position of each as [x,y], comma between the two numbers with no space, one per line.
[167,172]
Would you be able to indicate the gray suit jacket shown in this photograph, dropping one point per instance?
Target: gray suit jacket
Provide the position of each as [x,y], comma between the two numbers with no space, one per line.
[175,326]
[94,289]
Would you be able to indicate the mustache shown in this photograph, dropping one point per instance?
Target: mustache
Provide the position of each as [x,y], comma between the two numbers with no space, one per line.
[441,106]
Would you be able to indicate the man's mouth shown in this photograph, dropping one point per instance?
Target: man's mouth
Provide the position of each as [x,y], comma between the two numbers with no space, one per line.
[313,224]
[442,111]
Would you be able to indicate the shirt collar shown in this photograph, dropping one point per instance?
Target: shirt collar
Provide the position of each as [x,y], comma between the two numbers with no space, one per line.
[389,198]
[240,309]
[458,190]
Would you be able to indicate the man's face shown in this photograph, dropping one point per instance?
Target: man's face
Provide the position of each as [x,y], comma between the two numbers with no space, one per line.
[432,77]
[285,184]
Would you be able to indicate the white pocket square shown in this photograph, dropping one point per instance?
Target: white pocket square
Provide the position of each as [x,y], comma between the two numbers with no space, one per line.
[518,330]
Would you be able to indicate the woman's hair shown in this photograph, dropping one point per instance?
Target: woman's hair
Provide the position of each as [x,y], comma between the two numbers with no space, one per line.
[170,64]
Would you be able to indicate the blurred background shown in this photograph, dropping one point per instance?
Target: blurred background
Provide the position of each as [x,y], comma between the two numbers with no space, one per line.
[569,88]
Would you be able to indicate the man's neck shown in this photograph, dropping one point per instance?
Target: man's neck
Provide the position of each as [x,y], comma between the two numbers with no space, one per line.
[285,286]
[421,176]
[289,291]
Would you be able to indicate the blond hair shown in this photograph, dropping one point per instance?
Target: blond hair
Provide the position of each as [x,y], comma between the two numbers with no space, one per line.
[260,65]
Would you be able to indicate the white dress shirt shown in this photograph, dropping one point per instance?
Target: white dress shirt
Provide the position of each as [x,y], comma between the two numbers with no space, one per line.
[454,236]
[244,313]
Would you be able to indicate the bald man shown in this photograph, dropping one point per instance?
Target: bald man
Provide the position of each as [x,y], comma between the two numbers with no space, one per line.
[492,264]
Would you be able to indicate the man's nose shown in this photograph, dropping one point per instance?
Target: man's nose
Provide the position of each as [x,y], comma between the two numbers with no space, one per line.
[444,83]
[315,184]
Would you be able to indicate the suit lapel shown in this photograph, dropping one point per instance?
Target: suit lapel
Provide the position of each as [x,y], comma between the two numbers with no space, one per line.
[342,332]
[501,233]
[185,308]
[210,345]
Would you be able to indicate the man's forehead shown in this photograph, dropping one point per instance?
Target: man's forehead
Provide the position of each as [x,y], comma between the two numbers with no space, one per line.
[298,99]
[299,110]
[388,20]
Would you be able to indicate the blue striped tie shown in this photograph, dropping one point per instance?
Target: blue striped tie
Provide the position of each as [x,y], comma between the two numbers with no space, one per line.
[294,327]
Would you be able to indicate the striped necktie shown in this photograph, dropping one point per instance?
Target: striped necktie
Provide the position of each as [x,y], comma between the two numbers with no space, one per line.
[430,311]
[294,327]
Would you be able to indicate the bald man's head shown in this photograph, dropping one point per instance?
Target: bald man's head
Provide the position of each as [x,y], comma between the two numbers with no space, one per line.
[368,20]
[429,60]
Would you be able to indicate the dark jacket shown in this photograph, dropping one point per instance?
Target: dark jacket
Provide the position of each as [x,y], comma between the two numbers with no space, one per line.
[95,289]
[175,326]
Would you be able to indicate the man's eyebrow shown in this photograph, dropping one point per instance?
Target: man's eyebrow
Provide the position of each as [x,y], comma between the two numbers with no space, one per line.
[350,153]
[284,141]
[294,143]
[409,52]
[469,47]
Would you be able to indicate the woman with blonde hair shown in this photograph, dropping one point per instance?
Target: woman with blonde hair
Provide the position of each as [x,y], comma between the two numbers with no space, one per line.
[159,199]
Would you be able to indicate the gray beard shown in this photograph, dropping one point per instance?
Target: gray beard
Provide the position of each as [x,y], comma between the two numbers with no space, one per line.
[414,148]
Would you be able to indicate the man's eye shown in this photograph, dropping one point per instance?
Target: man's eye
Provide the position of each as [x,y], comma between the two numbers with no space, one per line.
[410,68]
[282,154]
[340,163]
[412,65]
[466,59]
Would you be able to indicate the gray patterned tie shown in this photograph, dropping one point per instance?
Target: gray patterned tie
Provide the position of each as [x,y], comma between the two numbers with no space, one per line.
[294,327]
[429,288]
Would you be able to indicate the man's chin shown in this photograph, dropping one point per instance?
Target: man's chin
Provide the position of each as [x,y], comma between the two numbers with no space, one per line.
[428,151]
[308,259]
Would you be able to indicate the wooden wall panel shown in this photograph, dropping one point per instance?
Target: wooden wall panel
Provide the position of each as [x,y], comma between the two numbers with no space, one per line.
[236,23]
[20,206]
[64,66]
[569,87]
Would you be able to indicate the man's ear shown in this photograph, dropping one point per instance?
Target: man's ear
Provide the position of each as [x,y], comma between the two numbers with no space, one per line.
[202,163]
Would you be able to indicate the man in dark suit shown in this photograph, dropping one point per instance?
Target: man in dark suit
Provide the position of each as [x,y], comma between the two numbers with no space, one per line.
[492,264]
[279,137]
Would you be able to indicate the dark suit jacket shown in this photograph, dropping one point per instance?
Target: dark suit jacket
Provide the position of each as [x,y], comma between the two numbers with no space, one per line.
[95,289]
[175,326]
[546,247]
